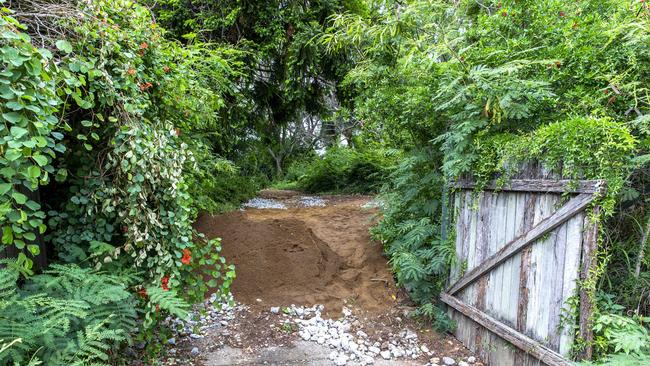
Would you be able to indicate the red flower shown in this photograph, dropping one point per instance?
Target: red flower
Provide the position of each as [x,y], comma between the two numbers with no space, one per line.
[145,86]
[143,293]
[505,14]
[186,256]
[561,13]
[165,282]
[144,46]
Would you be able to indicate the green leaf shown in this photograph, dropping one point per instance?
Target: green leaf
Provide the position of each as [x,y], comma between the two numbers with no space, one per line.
[40,160]
[34,249]
[33,205]
[64,46]
[19,198]
[5,187]
[13,154]
[18,132]
[12,117]
[33,171]
[7,235]
[29,236]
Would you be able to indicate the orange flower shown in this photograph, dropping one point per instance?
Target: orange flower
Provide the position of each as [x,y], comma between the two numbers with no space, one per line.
[145,86]
[166,68]
[165,282]
[144,46]
[186,256]
[131,71]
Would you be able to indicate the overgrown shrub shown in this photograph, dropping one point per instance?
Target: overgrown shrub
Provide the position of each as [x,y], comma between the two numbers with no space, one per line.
[347,170]
[410,232]
[103,106]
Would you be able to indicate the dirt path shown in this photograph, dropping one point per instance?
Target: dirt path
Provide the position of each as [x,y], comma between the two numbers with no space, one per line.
[305,255]
[312,289]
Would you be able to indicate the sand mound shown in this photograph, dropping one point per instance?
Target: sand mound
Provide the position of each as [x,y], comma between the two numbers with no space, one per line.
[305,255]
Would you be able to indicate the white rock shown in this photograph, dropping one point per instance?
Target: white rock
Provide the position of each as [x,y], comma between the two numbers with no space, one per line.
[335,342]
[171,341]
[341,360]
[345,344]
[424,348]
[385,355]
[374,350]
[448,361]
[353,346]
[463,363]
[275,309]
[304,335]
[333,355]
[471,359]
[320,340]
[194,351]
[362,334]
[397,352]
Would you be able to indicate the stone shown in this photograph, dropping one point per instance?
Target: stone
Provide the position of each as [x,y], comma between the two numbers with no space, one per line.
[195,351]
[341,360]
[171,341]
[375,350]
[333,355]
[385,355]
[424,348]
[471,359]
[275,309]
[435,360]
[362,334]
[448,361]
[463,363]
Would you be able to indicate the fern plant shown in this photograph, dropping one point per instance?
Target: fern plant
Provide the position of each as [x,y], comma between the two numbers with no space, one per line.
[409,231]
[66,316]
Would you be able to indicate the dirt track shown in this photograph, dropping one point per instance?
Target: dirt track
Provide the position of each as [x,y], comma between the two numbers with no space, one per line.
[308,256]
[305,255]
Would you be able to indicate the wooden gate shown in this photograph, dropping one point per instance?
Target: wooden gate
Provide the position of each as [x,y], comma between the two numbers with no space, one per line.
[521,251]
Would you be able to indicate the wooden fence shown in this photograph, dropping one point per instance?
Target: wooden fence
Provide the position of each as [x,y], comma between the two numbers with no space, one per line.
[521,251]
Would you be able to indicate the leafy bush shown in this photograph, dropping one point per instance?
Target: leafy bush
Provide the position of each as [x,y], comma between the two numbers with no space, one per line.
[104,111]
[28,141]
[410,232]
[347,170]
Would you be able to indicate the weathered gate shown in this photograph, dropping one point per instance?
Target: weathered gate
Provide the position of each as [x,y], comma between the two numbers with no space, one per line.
[521,251]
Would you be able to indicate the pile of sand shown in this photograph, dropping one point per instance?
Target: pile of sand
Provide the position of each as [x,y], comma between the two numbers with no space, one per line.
[305,255]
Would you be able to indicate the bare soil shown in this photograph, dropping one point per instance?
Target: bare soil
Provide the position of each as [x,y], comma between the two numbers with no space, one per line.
[305,255]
